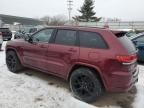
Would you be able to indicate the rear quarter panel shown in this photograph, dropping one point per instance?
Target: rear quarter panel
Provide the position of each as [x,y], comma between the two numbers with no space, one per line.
[104,60]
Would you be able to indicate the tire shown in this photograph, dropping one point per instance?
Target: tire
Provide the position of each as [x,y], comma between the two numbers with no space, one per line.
[13,62]
[85,85]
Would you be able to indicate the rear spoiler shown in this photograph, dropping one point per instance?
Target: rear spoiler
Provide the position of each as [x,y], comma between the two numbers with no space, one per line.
[119,33]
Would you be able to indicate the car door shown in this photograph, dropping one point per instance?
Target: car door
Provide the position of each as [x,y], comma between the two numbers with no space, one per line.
[35,51]
[63,52]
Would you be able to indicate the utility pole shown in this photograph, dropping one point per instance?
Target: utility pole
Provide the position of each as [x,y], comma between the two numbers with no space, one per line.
[69,8]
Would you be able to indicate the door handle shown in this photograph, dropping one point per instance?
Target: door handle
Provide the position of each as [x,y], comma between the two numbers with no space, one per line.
[42,46]
[72,50]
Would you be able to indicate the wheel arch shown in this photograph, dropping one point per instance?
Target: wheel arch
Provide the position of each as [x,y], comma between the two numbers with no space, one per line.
[95,69]
[13,49]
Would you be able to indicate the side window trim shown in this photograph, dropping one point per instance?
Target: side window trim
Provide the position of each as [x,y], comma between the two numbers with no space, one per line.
[52,39]
[77,38]
[54,36]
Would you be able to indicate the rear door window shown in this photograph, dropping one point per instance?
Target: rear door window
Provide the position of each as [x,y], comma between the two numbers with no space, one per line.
[66,37]
[92,40]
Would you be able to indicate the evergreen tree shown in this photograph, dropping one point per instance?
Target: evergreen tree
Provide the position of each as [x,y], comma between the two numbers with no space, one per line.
[87,12]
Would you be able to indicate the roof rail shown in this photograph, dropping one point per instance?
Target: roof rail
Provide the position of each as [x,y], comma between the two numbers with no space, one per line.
[83,26]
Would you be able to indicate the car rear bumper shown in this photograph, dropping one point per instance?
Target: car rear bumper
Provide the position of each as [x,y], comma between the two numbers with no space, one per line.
[123,81]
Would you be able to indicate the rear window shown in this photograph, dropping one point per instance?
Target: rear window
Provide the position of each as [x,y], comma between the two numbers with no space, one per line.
[126,42]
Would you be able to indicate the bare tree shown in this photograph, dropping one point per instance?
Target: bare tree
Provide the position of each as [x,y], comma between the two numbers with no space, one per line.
[46,20]
[58,20]
[55,20]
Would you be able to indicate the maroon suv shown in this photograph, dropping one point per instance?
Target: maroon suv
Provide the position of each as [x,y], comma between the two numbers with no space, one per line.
[93,60]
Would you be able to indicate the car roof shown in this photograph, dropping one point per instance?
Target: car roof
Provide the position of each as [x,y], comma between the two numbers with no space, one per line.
[136,36]
[87,28]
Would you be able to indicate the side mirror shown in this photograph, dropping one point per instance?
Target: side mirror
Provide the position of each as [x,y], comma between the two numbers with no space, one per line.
[28,38]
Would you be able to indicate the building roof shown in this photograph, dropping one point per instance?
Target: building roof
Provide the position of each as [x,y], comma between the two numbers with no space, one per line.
[9,19]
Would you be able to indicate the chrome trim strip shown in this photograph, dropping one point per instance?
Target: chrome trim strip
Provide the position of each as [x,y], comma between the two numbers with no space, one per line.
[129,63]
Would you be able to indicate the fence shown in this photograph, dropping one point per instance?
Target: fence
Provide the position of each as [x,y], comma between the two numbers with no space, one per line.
[138,25]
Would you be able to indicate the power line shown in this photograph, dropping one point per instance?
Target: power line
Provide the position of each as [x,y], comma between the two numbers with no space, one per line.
[70,8]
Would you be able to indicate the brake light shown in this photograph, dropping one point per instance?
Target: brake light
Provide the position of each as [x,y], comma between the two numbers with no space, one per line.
[127,58]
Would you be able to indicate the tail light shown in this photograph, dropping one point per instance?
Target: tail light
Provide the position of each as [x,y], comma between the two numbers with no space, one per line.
[127,59]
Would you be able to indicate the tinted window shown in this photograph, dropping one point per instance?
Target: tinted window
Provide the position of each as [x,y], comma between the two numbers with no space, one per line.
[66,37]
[43,36]
[91,40]
[127,43]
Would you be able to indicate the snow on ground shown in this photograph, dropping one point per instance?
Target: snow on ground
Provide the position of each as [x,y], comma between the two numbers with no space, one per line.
[139,100]
[33,89]
[2,55]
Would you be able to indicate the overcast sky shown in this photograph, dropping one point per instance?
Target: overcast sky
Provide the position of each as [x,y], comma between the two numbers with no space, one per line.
[123,9]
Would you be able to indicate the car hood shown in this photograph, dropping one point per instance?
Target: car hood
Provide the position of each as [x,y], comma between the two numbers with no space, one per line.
[15,42]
